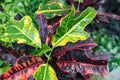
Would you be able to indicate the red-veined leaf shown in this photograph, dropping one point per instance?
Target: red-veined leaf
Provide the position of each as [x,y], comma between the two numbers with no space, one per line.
[61,75]
[99,55]
[80,45]
[23,69]
[46,30]
[8,54]
[77,62]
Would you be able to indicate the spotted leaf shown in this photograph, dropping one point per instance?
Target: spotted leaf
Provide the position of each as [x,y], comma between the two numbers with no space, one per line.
[80,45]
[22,31]
[52,8]
[23,69]
[46,30]
[77,62]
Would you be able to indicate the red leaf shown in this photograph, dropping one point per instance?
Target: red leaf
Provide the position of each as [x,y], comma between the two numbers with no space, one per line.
[99,56]
[80,45]
[47,30]
[8,54]
[87,3]
[77,62]
[109,15]
[23,69]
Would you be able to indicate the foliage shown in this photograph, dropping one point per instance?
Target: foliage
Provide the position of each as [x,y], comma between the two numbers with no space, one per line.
[71,29]
[20,31]
[59,42]
[45,72]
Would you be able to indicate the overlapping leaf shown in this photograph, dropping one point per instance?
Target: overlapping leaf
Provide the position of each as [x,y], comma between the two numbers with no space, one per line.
[45,72]
[72,30]
[46,30]
[77,62]
[23,69]
[51,9]
[80,45]
[8,54]
[22,31]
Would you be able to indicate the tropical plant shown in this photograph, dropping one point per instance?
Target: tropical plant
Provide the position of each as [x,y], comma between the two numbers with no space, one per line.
[57,48]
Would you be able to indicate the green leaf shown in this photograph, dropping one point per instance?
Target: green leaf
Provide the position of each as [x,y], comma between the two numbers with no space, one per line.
[23,31]
[51,9]
[44,49]
[2,70]
[72,30]
[45,72]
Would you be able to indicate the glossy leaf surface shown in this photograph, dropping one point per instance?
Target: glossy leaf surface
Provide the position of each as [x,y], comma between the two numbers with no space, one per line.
[23,69]
[46,29]
[45,72]
[51,9]
[72,30]
[80,45]
[22,31]
[76,61]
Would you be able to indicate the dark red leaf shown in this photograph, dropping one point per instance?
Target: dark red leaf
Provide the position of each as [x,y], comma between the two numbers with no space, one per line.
[23,69]
[80,45]
[43,31]
[61,75]
[87,3]
[23,49]
[99,56]
[47,30]
[103,16]
[116,17]
[77,62]
[18,17]
[8,54]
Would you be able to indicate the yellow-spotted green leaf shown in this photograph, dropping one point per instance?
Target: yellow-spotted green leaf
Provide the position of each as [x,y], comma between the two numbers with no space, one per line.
[72,30]
[23,31]
[51,9]
[45,72]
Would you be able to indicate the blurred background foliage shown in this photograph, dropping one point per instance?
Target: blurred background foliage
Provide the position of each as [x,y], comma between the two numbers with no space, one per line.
[10,8]
[107,36]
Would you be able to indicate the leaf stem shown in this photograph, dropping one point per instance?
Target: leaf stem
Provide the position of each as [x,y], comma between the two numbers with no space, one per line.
[48,59]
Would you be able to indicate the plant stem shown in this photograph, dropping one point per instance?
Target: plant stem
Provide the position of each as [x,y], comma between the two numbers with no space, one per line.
[48,58]
[50,53]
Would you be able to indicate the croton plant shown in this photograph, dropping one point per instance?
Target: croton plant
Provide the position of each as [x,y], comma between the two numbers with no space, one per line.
[58,46]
